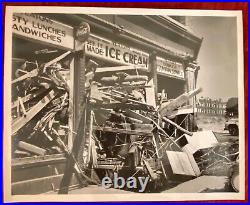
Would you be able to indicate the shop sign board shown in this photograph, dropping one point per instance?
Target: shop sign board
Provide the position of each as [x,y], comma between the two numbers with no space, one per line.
[38,27]
[170,68]
[108,50]
[117,53]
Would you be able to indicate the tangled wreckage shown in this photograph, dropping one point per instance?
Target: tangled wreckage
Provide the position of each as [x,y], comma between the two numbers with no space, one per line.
[123,129]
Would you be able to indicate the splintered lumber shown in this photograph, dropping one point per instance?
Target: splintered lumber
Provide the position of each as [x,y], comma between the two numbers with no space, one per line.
[136,78]
[128,119]
[27,98]
[119,68]
[123,99]
[30,74]
[122,131]
[31,148]
[183,110]
[76,166]
[20,122]
[55,60]
[109,80]
[177,126]
[167,108]
[138,116]
[129,78]
[128,87]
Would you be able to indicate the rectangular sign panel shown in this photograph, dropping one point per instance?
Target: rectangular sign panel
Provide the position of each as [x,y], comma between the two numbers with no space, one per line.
[117,53]
[108,50]
[42,28]
[170,68]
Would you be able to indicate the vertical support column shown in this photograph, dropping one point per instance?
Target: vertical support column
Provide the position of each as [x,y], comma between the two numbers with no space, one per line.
[191,73]
[79,116]
[153,72]
[71,106]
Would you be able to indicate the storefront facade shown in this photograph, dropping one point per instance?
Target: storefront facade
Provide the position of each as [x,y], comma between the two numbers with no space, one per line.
[157,45]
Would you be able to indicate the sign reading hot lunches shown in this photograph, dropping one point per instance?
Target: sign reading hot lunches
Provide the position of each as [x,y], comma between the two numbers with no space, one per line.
[44,29]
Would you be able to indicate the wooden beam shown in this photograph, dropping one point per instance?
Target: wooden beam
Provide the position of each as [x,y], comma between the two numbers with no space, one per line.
[138,116]
[153,73]
[31,74]
[124,131]
[20,122]
[168,107]
[119,68]
[79,112]
[31,148]
[177,126]
[27,98]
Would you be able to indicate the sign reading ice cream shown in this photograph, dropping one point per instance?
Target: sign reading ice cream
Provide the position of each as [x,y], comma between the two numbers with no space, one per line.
[111,51]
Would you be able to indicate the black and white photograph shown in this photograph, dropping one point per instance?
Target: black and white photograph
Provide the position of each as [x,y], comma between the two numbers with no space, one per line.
[106,104]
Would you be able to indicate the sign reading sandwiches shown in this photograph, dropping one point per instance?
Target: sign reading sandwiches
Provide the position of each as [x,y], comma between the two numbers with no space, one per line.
[42,28]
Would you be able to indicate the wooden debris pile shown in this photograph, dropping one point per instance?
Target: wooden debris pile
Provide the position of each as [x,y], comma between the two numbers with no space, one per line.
[127,131]
[131,134]
[40,99]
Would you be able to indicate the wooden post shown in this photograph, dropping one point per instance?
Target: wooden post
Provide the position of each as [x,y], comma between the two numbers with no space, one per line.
[153,71]
[152,81]
[79,105]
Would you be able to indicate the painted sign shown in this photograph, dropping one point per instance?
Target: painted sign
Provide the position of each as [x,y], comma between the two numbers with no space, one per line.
[42,28]
[170,68]
[111,51]
[122,54]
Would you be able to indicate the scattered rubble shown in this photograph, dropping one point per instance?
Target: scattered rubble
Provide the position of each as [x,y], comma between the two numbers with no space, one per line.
[127,132]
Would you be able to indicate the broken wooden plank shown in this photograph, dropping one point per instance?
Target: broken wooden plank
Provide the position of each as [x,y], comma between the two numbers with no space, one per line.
[55,60]
[30,74]
[28,97]
[31,148]
[20,122]
[182,111]
[120,68]
[125,118]
[167,108]
[123,131]
[138,116]
[177,126]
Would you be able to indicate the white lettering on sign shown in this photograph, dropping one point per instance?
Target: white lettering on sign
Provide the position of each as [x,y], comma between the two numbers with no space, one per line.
[119,53]
[41,28]
[108,50]
[170,68]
